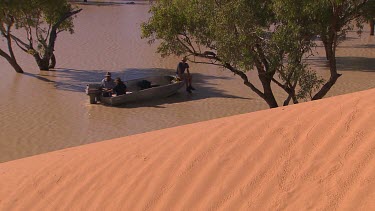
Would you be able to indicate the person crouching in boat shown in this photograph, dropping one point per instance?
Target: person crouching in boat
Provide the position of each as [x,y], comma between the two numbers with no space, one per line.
[107,85]
[120,88]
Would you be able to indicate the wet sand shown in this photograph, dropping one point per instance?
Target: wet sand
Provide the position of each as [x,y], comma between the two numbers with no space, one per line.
[47,111]
[313,156]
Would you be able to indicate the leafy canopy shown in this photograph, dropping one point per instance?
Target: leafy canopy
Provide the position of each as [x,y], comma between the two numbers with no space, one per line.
[241,34]
[42,20]
[272,37]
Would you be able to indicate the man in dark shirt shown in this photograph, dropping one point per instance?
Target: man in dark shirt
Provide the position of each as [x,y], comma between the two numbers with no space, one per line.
[120,88]
[181,68]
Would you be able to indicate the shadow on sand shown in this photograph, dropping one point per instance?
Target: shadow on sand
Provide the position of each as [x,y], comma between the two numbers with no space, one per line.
[362,64]
[76,81]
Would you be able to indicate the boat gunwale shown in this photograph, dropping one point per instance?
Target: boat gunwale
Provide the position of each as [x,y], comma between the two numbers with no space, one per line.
[148,89]
[112,100]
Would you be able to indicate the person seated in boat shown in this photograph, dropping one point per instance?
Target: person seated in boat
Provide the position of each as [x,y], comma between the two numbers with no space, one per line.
[120,88]
[107,85]
[186,77]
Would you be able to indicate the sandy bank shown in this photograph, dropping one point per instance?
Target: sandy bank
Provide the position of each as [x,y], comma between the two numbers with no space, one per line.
[317,155]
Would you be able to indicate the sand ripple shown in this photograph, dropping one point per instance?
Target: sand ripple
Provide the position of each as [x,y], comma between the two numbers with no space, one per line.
[317,155]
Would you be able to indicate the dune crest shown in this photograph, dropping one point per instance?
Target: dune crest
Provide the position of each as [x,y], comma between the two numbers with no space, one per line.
[316,155]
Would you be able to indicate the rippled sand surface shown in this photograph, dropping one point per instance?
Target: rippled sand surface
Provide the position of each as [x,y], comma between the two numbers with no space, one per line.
[46,111]
[299,157]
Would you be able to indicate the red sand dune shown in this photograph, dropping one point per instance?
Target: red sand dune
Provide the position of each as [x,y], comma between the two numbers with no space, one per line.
[316,155]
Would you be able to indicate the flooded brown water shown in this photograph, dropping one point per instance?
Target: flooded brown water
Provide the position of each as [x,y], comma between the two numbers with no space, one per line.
[45,111]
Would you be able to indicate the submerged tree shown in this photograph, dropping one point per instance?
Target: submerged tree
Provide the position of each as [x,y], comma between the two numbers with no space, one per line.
[333,19]
[7,19]
[239,36]
[369,15]
[272,37]
[42,21]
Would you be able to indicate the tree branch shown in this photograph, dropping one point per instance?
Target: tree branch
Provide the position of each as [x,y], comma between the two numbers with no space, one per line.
[9,41]
[64,17]
[48,33]
[210,63]
[211,55]
[245,79]
[185,46]
[19,41]
[279,84]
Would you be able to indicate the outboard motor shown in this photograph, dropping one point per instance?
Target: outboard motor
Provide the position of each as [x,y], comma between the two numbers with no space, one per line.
[94,91]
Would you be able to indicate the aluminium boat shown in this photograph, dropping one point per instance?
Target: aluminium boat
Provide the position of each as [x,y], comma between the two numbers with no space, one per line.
[159,87]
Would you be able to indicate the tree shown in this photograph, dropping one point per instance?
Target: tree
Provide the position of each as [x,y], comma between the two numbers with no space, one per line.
[272,37]
[369,15]
[7,19]
[239,36]
[42,20]
[333,19]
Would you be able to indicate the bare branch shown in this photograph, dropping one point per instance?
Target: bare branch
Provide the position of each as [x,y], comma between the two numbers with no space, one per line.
[64,17]
[20,42]
[185,46]
[210,63]
[279,84]
[188,42]
[23,49]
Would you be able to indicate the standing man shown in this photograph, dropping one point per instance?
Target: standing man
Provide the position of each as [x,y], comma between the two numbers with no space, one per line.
[107,85]
[182,66]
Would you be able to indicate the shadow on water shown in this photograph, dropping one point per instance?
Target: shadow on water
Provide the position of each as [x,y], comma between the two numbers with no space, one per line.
[205,88]
[39,77]
[76,80]
[358,46]
[361,64]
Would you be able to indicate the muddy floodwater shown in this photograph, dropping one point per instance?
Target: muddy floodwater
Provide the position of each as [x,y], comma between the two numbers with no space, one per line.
[44,111]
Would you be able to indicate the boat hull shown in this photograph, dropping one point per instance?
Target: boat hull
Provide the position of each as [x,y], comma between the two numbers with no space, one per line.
[162,86]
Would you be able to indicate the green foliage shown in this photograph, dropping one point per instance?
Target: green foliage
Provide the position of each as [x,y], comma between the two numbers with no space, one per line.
[241,34]
[369,10]
[230,28]
[272,37]
[41,19]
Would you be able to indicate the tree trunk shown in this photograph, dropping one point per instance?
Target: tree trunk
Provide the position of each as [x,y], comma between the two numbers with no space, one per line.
[43,63]
[333,70]
[295,100]
[326,48]
[12,61]
[271,101]
[286,102]
[15,65]
[326,87]
[52,64]
[48,56]
[372,23]
[266,82]
[11,58]
[268,94]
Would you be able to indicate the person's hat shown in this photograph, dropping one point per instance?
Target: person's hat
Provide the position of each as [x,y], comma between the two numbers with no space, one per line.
[108,74]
